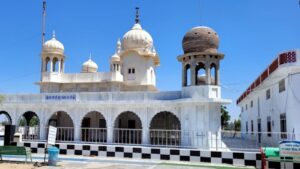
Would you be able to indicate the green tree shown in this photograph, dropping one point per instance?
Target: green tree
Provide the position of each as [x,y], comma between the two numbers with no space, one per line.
[22,122]
[237,125]
[225,117]
[34,121]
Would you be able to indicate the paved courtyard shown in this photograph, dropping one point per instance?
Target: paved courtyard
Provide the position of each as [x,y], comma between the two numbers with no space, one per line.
[76,162]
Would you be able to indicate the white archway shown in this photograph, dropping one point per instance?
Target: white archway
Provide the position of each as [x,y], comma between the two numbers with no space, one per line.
[128,128]
[65,126]
[93,127]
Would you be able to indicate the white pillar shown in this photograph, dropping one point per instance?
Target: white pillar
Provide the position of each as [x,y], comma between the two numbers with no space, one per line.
[207,71]
[77,133]
[146,136]
[110,132]
[43,131]
[51,64]
[183,75]
[217,74]
[193,74]
[59,66]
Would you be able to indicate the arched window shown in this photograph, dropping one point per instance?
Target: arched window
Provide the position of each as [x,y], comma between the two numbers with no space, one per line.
[200,74]
[47,64]
[187,76]
[213,74]
[55,65]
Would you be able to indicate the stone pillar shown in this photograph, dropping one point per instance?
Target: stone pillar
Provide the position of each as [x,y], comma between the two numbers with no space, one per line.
[217,74]
[193,74]
[207,73]
[51,64]
[77,133]
[146,136]
[59,66]
[183,75]
[110,131]
[42,131]
[63,66]
[44,65]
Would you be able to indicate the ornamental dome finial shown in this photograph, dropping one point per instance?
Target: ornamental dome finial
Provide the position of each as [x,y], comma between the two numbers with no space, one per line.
[137,15]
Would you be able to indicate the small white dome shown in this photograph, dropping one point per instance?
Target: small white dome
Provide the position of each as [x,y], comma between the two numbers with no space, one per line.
[89,66]
[53,45]
[137,38]
[116,56]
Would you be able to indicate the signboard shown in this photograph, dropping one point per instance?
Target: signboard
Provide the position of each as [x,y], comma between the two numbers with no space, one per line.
[52,135]
[71,97]
[289,148]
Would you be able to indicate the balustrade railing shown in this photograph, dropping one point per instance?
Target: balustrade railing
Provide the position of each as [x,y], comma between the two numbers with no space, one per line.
[127,136]
[94,135]
[225,140]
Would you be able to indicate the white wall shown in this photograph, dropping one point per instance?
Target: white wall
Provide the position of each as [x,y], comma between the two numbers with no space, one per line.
[142,66]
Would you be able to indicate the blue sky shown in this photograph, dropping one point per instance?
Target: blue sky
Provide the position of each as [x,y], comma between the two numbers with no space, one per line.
[252,33]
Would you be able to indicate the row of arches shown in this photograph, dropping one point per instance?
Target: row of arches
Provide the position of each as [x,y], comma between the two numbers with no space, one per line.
[127,127]
[53,64]
[197,74]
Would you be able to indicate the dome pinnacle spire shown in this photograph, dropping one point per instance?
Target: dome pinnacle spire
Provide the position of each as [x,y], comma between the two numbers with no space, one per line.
[137,15]
[53,34]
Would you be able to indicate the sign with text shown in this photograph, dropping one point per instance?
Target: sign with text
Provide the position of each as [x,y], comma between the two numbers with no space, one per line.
[71,97]
[52,135]
[289,148]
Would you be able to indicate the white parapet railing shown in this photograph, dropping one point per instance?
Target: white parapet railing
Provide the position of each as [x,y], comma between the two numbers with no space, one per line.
[94,135]
[127,136]
[160,137]
[235,140]
[223,140]
[29,132]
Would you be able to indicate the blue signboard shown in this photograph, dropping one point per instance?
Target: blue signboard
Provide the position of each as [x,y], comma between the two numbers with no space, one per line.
[60,97]
[289,148]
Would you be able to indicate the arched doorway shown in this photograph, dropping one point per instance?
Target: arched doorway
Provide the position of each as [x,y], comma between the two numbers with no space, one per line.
[64,124]
[165,129]
[93,127]
[5,118]
[128,128]
[29,126]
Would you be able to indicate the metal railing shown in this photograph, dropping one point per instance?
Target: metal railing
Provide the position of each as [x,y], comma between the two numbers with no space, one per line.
[65,134]
[165,137]
[28,132]
[94,135]
[235,140]
[127,136]
[224,140]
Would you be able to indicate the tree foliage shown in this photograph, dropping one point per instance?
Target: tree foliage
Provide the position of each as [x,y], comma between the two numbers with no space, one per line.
[225,117]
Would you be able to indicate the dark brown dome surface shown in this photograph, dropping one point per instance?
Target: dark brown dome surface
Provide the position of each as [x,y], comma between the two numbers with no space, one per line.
[200,39]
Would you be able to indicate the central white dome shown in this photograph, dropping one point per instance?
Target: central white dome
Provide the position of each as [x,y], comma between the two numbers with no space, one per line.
[89,66]
[137,38]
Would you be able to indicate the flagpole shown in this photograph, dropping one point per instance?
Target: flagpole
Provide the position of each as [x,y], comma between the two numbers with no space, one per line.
[44,22]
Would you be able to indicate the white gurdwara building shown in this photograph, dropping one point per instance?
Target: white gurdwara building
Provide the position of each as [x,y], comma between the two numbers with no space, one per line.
[270,106]
[123,106]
